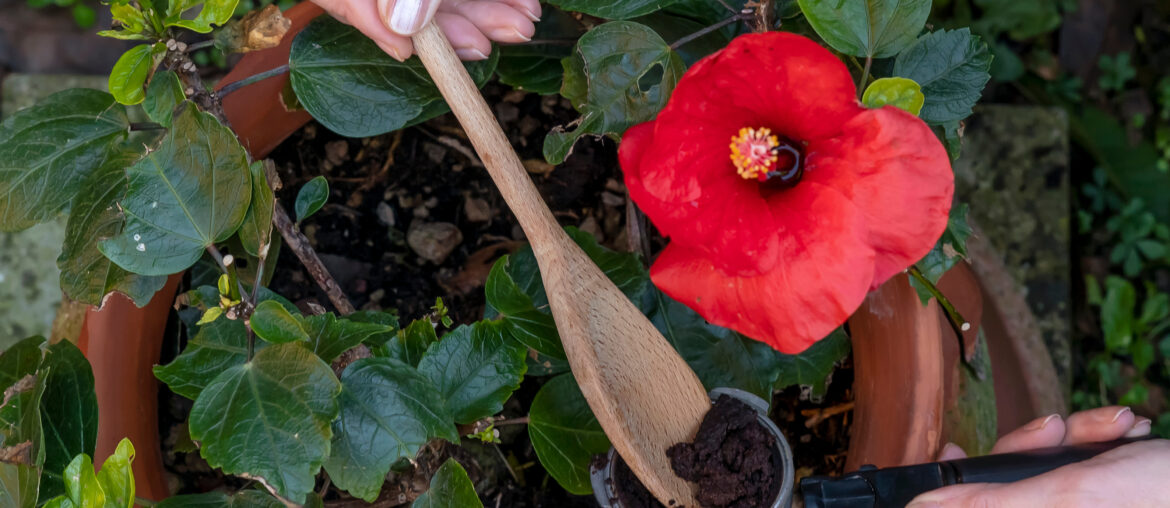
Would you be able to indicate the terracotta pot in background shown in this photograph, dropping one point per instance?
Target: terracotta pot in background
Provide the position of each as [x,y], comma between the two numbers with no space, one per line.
[122,341]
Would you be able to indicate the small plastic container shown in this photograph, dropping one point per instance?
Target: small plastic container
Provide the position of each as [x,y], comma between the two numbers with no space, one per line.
[606,491]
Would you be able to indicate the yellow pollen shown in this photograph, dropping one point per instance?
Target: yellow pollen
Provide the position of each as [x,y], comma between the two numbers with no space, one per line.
[752,152]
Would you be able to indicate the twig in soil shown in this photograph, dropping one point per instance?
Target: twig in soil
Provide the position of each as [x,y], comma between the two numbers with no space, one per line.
[300,246]
[454,144]
[819,415]
[255,78]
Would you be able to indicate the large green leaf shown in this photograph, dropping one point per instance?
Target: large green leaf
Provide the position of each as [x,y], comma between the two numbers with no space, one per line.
[330,336]
[19,360]
[476,368]
[117,478]
[20,426]
[411,343]
[190,192]
[868,28]
[47,150]
[672,27]
[269,418]
[86,275]
[274,323]
[128,78]
[952,68]
[620,74]
[609,9]
[450,488]
[388,411]
[217,346]
[565,434]
[387,319]
[311,197]
[355,89]
[811,368]
[256,232]
[69,412]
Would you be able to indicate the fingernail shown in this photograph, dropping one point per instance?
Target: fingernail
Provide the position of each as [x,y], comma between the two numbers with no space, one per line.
[1120,414]
[397,56]
[407,16]
[1139,429]
[470,54]
[1043,423]
[532,15]
[951,451]
[521,36]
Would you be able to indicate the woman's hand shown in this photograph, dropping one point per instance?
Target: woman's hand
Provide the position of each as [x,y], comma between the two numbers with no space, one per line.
[470,25]
[1131,475]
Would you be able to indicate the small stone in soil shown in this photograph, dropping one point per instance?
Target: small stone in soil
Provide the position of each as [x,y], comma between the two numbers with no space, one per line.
[433,241]
[477,209]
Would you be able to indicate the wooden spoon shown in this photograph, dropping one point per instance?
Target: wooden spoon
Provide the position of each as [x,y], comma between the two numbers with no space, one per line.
[645,396]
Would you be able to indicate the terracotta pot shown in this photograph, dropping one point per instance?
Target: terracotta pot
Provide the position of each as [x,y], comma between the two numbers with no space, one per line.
[122,341]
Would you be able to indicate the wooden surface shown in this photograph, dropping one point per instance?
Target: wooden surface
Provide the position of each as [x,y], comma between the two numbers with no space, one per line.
[642,392]
[898,378]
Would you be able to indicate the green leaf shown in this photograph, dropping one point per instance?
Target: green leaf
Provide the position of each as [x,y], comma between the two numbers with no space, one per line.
[20,426]
[256,232]
[117,478]
[81,483]
[476,368]
[84,15]
[901,93]
[311,197]
[672,27]
[412,342]
[269,418]
[242,499]
[867,28]
[1022,20]
[355,89]
[529,326]
[811,368]
[537,67]
[129,17]
[69,412]
[620,74]
[189,193]
[952,68]
[273,323]
[218,346]
[949,250]
[47,151]
[19,360]
[163,95]
[214,12]
[1117,313]
[390,321]
[86,275]
[388,411]
[329,336]
[565,434]
[128,77]
[210,315]
[450,488]
[608,9]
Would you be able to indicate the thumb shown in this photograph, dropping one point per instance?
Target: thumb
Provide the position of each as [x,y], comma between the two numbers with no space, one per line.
[406,17]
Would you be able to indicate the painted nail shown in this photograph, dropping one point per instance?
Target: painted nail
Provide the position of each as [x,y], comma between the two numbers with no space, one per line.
[470,54]
[1044,423]
[408,16]
[1120,413]
[1139,429]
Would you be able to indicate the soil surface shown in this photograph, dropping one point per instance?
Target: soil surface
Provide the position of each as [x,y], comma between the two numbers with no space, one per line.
[733,459]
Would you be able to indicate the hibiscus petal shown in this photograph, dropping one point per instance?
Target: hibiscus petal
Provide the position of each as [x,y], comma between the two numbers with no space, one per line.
[823,275]
[897,173]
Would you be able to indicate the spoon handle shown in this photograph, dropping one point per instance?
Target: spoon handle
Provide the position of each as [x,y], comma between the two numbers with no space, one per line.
[643,394]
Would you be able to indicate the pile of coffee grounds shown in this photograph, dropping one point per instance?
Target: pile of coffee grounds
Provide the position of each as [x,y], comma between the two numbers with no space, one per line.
[733,459]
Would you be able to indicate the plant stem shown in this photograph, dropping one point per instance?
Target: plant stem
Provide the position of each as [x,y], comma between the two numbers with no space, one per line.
[145,126]
[522,420]
[709,29]
[196,46]
[727,6]
[957,322]
[236,85]
[864,76]
[300,246]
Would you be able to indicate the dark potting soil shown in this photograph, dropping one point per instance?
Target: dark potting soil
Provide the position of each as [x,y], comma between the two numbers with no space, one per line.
[733,459]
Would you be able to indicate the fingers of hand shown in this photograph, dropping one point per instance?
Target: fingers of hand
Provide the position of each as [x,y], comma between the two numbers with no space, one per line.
[499,21]
[468,41]
[363,15]
[406,17]
[951,451]
[1039,433]
[1101,424]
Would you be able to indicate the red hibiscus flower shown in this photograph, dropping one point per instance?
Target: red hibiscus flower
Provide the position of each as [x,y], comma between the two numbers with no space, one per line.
[780,235]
